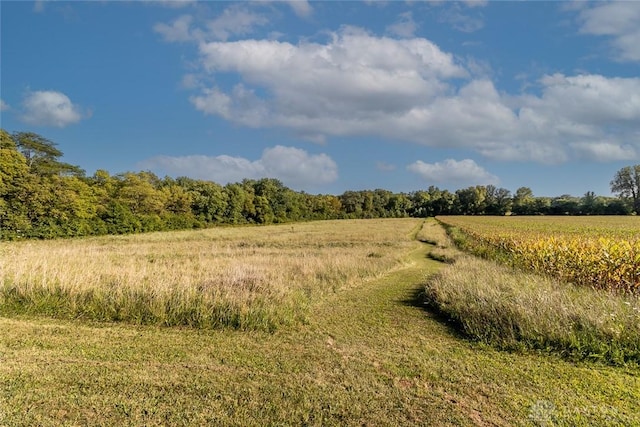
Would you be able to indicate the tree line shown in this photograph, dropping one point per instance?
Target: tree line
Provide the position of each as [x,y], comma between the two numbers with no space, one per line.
[44,197]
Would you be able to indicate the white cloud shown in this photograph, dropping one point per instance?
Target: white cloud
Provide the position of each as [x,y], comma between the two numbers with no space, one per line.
[461,20]
[620,20]
[358,84]
[178,31]
[405,26]
[475,3]
[235,20]
[465,171]
[592,99]
[295,167]
[339,86]
[50,108]
[4,106]
[605,151]
[172,4]
[301,8]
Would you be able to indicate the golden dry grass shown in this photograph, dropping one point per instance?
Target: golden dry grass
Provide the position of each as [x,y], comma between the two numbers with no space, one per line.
[250,277]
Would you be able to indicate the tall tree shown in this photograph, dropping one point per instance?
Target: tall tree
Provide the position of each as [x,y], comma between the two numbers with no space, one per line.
[523,201]
[498,200]
[626,184]
[471,200]
[42,156]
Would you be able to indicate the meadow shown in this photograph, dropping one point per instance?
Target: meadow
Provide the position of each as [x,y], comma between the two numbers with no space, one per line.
[242,277]
[331,328]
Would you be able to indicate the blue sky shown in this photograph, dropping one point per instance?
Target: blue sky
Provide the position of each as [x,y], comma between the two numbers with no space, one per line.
[332,96]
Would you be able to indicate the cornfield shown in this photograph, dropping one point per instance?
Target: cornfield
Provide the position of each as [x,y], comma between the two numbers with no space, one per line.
[600,252]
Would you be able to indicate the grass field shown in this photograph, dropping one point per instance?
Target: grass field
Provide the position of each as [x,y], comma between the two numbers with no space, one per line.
[246,278]
[369,353]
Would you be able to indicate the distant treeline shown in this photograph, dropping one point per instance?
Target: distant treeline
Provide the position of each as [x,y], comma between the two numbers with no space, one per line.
[43,197]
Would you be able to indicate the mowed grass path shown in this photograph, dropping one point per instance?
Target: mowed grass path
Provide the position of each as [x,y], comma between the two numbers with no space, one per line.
[370,355]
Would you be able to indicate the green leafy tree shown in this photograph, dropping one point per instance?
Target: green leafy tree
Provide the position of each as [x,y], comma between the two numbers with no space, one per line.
[498,200]
[626,183]
[42,156]
[352,202]
[208,199]
[240,207]
[398,205]
[523,201]
[139,192]
[565,205]
[442,201]
[14,174]
[472,200]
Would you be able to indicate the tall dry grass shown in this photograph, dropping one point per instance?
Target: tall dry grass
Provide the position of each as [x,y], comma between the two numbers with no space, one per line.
[510,309]
[246,278]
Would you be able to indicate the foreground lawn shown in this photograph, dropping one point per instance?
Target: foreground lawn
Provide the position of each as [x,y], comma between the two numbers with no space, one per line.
[368,355]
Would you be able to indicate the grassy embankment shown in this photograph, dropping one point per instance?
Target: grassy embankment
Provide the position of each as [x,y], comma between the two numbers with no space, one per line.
[368,355]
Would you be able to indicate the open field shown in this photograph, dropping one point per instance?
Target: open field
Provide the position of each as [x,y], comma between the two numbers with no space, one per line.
[246,278]
[369,355]
[598,252]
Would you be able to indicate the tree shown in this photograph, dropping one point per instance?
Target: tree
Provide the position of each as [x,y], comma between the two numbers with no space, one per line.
[565,205]
[523,201]
[626,184]
[14,174]
[139,193]
[498,200]
[471,200]
[42,155]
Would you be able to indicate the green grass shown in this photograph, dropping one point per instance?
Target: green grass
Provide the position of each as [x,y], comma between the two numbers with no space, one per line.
[369,355]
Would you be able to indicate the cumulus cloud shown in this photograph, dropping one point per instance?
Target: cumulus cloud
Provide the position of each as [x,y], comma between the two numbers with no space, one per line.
[338,87]
[50,108]
[4,106]
[38,6]
[295,167]
[619,20]
[466,172]
[604,151]
[359,84]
